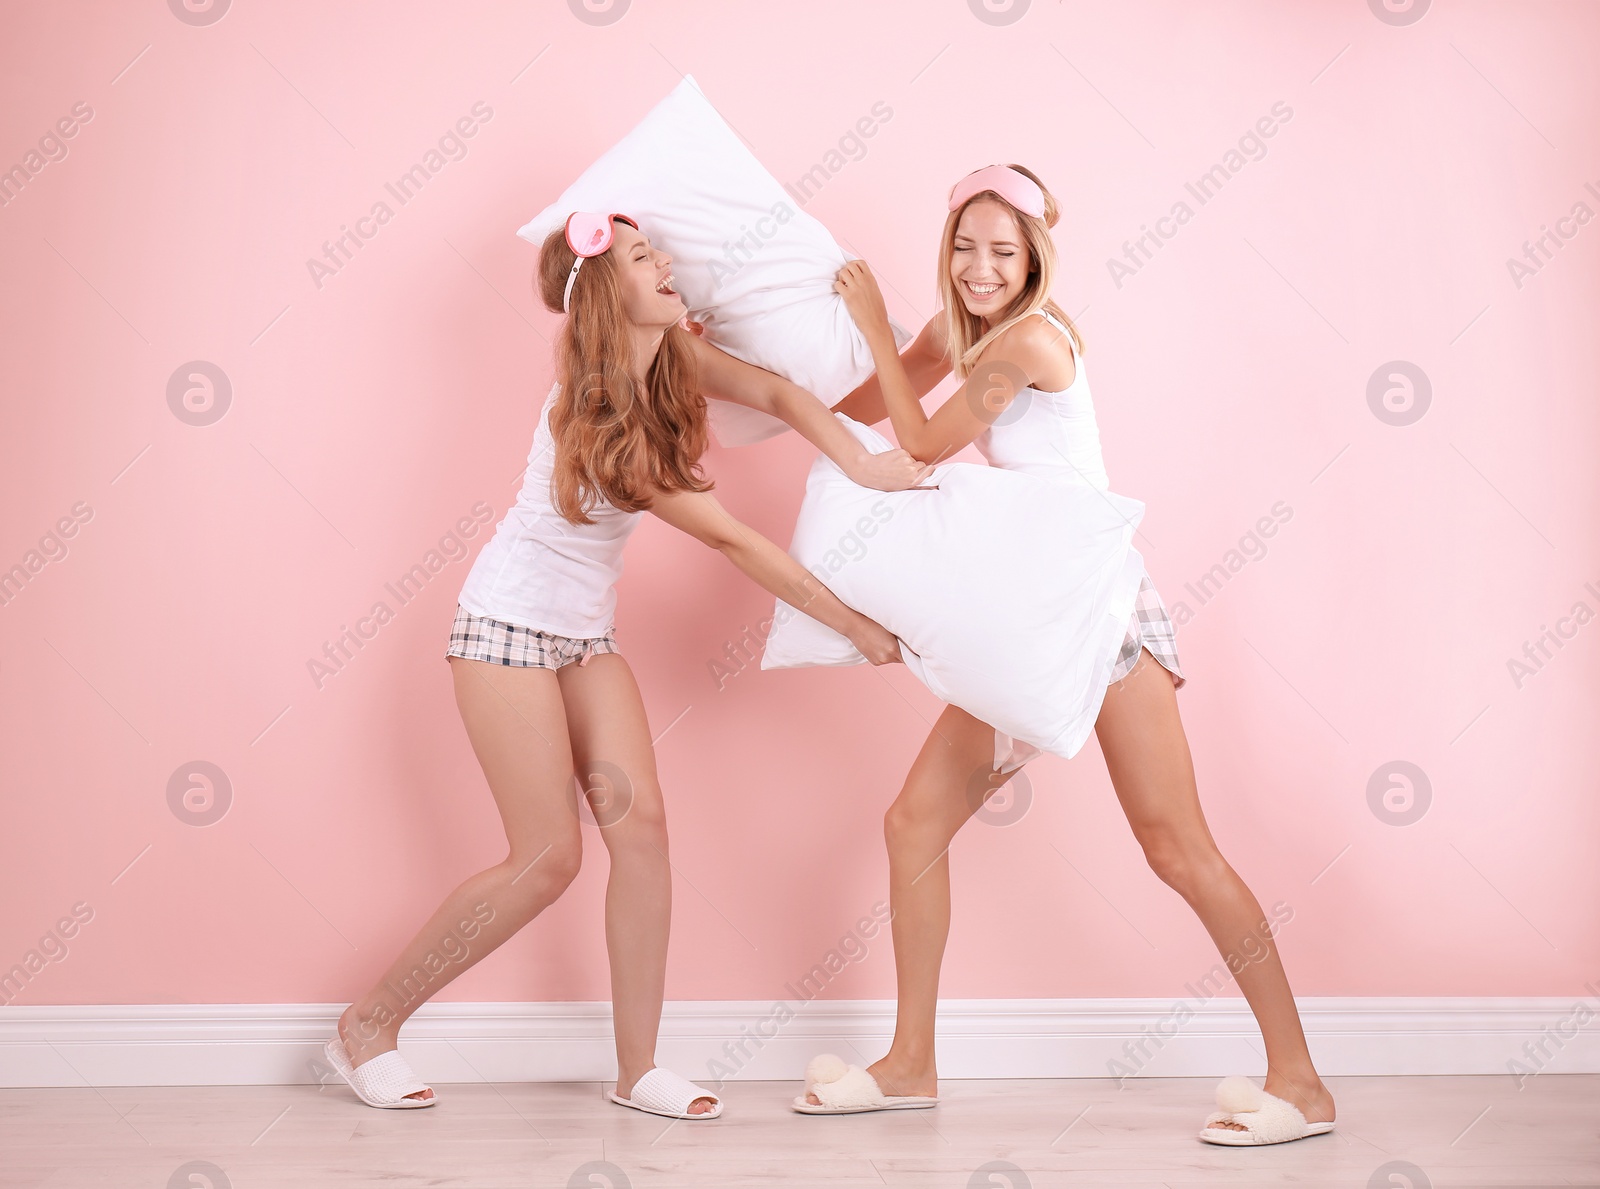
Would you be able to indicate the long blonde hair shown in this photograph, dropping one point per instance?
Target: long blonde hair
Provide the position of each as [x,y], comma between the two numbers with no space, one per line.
[613,441]
[965,337]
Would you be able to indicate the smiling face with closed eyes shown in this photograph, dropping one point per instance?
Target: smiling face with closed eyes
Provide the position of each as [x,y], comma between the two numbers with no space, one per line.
[644,277]
[988,259]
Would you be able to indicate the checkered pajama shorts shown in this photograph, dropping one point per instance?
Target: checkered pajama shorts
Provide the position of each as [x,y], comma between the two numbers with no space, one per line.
[478,638]
[1149,627]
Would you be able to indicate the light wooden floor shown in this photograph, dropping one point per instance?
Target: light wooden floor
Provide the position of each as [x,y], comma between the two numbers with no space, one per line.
[1458,1131]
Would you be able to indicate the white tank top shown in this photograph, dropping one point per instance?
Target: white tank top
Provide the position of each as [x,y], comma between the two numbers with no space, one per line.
[540,570]
[1053,434]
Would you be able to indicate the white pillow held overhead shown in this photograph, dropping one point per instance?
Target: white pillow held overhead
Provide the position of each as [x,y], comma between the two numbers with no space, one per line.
[751,265]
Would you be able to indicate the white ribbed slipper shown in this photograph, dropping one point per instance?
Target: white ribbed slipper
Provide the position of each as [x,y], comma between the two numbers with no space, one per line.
[1268,1118]
[662,1092]
[382,1082]
[850,1090]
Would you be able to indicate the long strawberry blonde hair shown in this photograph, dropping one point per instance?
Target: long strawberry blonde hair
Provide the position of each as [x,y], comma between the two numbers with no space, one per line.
[616,441]
[965,337]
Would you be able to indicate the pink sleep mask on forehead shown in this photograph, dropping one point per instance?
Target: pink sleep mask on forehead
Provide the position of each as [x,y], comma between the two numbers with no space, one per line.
[588,234]
[1016,188]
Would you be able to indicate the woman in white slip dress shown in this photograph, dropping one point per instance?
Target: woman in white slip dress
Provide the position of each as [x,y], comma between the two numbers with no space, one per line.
[542,689]
[1026,406]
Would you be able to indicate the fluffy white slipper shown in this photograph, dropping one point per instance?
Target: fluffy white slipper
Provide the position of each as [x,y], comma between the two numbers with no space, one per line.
[850,1090]
[382,1082]
[1269,1119]
[662,1092]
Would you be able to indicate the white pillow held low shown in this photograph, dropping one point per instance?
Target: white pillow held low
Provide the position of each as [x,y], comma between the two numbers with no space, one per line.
[1010,592]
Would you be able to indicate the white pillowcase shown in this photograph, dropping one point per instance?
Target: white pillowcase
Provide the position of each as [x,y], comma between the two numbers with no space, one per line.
[750,264]
[1010,592]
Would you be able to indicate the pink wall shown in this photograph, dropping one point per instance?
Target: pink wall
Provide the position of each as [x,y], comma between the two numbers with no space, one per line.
[371,413]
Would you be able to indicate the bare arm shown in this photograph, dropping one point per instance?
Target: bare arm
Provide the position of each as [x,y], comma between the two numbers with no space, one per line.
[723,376]
[925,365]
[700,515]
[1005,369]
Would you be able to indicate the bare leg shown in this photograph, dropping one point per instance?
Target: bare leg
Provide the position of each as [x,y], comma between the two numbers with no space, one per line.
[517,724]
[934,803]
[1148,758]
[616,765]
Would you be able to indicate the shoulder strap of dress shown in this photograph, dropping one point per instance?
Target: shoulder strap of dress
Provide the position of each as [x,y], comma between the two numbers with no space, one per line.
[1071,343]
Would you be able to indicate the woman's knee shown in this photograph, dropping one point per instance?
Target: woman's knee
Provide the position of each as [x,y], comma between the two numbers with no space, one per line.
[639,823]
[542,873]
[1183,864]
[529,879]
[915,822]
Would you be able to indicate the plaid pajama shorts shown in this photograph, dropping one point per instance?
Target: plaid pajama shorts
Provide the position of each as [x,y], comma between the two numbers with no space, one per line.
[1149,627]
[478,638]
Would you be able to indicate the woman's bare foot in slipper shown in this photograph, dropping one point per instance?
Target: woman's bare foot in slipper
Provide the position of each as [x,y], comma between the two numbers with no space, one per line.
[625,1090]
[1309,1096]
[898,1079]
[362,1050]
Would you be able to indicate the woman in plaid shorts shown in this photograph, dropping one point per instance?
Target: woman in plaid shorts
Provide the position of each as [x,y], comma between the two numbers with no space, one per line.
[541,687]
[1028,409]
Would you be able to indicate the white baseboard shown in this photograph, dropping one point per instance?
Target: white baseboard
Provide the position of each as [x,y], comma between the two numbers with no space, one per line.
[274,1044]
